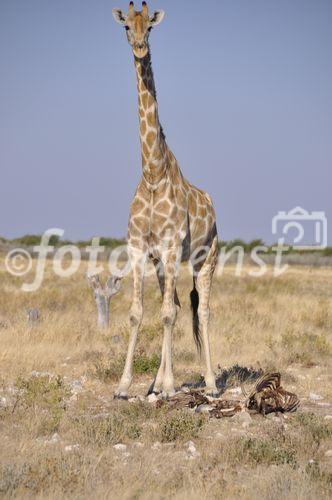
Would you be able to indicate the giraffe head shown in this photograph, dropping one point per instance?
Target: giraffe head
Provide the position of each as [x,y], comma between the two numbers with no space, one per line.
[138,26]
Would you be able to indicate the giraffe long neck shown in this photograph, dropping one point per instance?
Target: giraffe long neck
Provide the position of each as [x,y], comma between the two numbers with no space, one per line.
[153,143]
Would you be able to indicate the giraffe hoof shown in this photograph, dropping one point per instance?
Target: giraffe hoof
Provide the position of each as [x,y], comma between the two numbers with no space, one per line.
[167,394]
[121,396]
[153,390]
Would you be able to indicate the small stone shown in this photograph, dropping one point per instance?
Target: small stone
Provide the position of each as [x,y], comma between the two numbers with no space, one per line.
[132,400]
[54,439]
[315,397]
[328,417]
[120,447]
[191,446]
[3,402]
[76,387]
[192,452]
[203,408]
[72,447]
[34,373]
[328,453]
[152,398]
[138,445]
[156,446]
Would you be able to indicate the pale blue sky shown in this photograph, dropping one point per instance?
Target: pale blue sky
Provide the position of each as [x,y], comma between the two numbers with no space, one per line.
[245,98]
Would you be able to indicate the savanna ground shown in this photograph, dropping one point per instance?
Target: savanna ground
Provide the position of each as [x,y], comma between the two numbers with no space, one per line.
[59,423]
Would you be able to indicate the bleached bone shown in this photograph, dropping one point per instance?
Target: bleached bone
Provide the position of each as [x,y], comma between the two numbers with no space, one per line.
[103,295]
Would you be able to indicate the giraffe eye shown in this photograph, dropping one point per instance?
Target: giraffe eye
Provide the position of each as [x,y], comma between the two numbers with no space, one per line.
[127,28]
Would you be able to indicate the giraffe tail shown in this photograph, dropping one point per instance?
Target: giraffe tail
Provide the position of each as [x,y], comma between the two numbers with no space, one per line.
[194,300]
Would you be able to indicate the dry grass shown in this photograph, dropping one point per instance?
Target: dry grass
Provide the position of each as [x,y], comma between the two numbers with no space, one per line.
[59,423]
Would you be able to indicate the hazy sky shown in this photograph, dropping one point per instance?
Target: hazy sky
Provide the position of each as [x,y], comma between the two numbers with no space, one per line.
[245,98]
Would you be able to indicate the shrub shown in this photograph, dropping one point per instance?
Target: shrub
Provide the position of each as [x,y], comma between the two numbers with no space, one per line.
[45,396]
[145,364]
[268,451]
[317,428]
[111,371]
[42,390]
[180,425]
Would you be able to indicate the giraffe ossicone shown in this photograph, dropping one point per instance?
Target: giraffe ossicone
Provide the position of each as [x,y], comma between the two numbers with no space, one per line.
[170,221]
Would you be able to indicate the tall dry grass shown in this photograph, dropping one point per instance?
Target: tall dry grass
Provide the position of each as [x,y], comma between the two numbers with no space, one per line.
[59,423]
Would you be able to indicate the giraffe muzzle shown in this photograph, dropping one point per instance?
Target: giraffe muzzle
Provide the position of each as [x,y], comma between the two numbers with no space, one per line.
[140,49]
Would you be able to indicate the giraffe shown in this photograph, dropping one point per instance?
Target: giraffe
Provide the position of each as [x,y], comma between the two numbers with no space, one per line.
[170,221]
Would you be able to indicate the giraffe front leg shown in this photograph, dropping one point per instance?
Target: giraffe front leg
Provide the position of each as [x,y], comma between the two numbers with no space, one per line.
[168,318]
[138,259]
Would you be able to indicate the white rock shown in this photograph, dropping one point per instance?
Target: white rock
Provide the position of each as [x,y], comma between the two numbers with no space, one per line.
[72,447]
[152,398]
[203,408]
[191,447]
[192,450]
[120,447]
[328,453]
[156,446]
[315,397]
[328,417]
[76,387]
[132,400]
[275,419]
[54,439]
[34,373]
[3,402]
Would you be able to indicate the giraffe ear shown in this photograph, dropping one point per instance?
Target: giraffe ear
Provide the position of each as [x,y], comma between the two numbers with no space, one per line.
[119,17]
[157,17]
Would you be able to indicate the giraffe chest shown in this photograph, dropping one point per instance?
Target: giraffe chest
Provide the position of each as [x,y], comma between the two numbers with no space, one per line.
[156,217]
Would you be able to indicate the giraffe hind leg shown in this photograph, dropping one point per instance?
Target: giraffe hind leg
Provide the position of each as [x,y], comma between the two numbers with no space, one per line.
[203,282]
